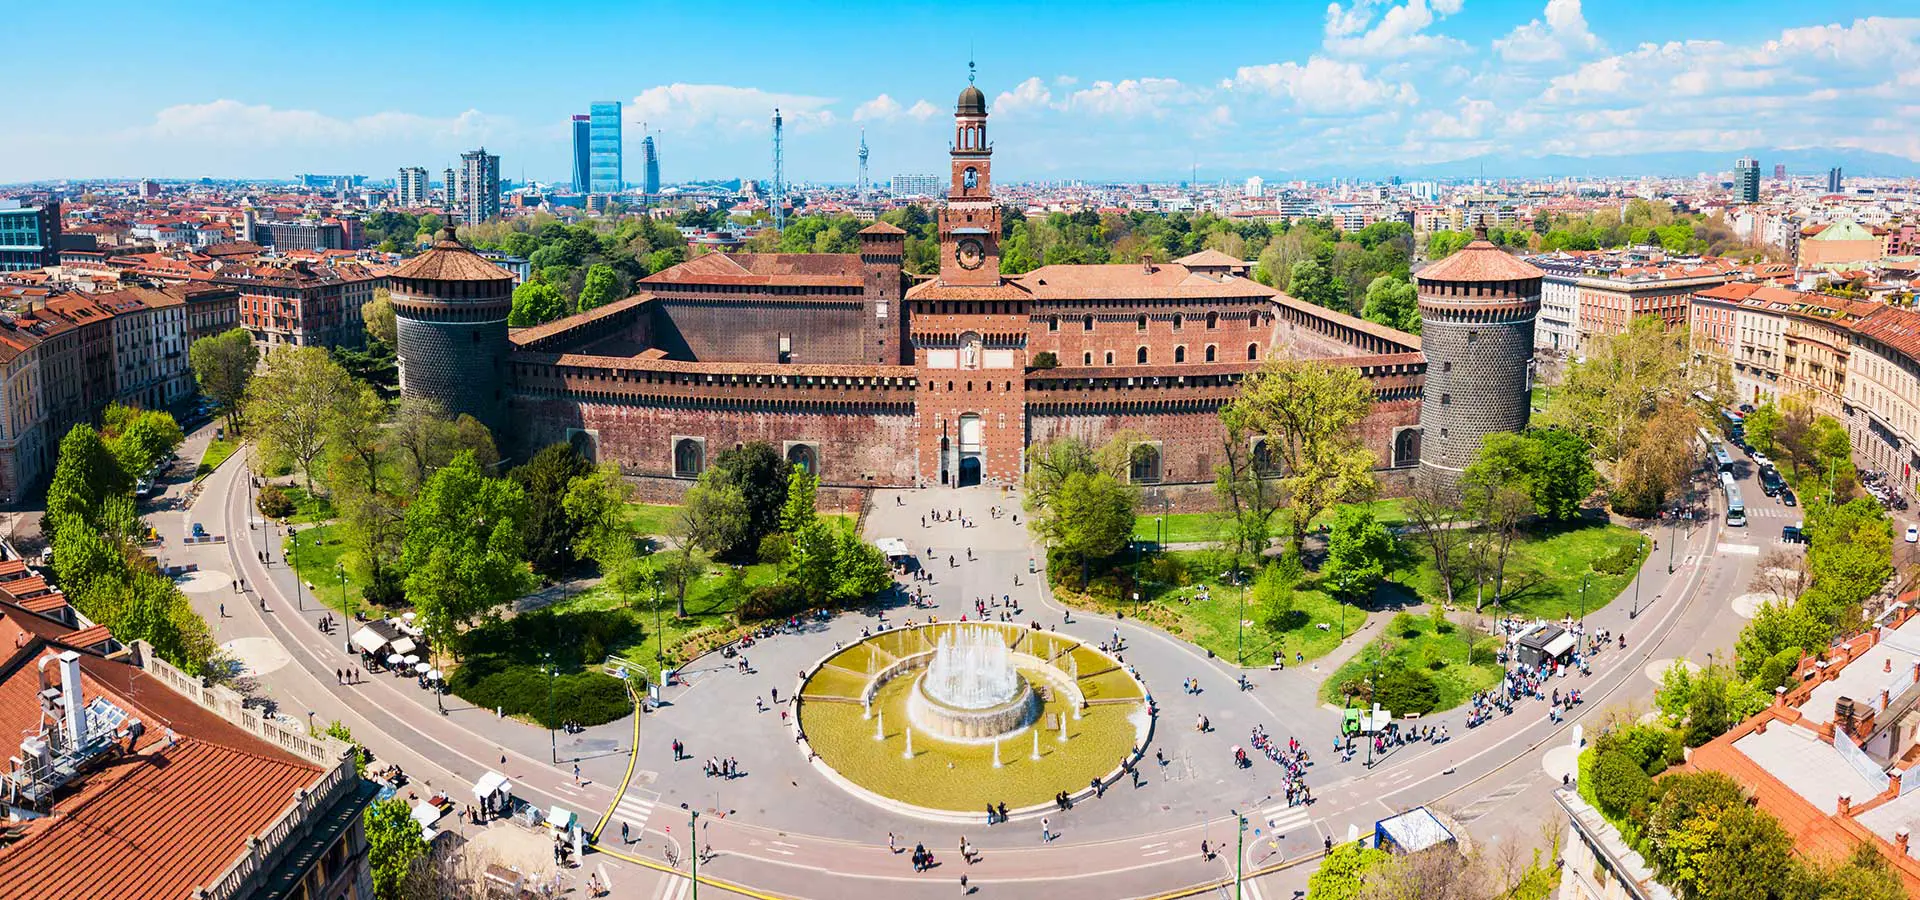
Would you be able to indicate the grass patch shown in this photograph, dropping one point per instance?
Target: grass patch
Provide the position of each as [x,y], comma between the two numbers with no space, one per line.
[711,602]
[505,664]
[1545,571]
[308,509]
[1177,528]
[217,452]
[321,548]
[658,519]
[1412,642]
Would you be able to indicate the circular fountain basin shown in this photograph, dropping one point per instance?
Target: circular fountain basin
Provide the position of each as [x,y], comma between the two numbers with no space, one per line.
[960,723]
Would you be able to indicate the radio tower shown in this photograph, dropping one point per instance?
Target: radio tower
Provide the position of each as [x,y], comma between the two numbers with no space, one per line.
[863,166]
[778,197]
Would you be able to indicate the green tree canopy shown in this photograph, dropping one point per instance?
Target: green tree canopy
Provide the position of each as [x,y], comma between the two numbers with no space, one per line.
[1309,412]
[291,403]
[546,528]
[463,553]
[1391,301]
[1359,550]
[222,365]
[394,842]
[601,288]
[535,302]
[1310,281]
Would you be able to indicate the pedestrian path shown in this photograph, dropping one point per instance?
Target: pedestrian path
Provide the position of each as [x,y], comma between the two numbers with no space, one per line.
[1282,819]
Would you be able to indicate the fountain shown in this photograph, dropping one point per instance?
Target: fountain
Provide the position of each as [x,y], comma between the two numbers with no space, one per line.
[1063,729]
[880,726]
[909,753]
[1036,743]
[970,690]
[996,753]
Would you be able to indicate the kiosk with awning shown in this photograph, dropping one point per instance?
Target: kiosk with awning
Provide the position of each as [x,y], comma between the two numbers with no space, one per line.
[1412,831]
[494,792]
[896,549]
[1544,643]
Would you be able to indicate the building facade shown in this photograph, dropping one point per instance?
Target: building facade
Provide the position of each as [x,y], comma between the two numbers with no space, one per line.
[479,186]
[914,186]
[582,154]
[1558,328]
[650,156]
[1477,312]
[410,189]
[857,373]
[302,303]
[1746,180]
[606,172]
[29,235]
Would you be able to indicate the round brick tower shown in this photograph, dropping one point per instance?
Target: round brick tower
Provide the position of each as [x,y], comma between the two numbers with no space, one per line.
[1476,327]
[450,311]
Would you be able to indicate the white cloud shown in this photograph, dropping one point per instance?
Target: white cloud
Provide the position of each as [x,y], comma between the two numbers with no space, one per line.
[1561,35]
[882,108]
[1028,96]
[1321,86]
[220,121]
[1873,41]
[725,108]
[1400,32]
[921,110]
[1131,97]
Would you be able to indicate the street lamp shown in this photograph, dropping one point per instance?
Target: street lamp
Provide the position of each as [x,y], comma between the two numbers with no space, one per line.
[1588,579]
[1673,526]
[340,572]
[693,845]
[293,561]
[553,740]
[1240,850]
[659,630]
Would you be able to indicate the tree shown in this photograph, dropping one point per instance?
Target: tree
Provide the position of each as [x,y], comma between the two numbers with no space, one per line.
[378,316]
[85,474]
[596,507]
[1620,784]
[1496,490]
[1309,412]
[1749,855]
[292,401]
[1655,460]
[547,529]
[1392,302]
[1247,497]
[602,287]
[223,364]
[798,512]
[463,551]
[1341,870]
[138,438]
[1438,521]
[426,439]
[1681,823]
[394,842]
[1762,425]
[1562,476]
[1442,244]
[1310,281]
[1358,550]
[1093,517]
[759,473]
[535,302]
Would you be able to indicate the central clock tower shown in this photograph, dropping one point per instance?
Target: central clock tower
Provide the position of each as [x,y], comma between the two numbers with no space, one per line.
[970,222]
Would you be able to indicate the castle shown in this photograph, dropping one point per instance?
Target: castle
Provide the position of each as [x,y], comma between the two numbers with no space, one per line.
[869,377]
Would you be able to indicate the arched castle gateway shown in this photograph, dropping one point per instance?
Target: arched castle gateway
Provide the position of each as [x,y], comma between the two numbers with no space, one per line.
[875,379]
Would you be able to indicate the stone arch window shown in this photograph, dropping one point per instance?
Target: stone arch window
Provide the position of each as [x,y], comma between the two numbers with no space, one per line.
[1086,322]
[1145,464]
[1253,351]
[1178,320]
[1180,354]
[689,457]
[1109,357]
[1053,323]
[1213,320]
[1140,356]
[1264,462]
[1406,447]
[1143,323]
[1212,352]
[1086,359]
[805,458]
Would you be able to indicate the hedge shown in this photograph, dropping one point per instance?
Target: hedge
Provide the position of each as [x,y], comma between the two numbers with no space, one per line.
[588,698]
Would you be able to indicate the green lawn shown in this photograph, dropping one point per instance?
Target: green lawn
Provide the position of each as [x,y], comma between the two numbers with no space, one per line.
[710,602]
[320,550]
[308,509]
[1412,642]
[1185,528]
[217,452]
[657,519]
[1545,571]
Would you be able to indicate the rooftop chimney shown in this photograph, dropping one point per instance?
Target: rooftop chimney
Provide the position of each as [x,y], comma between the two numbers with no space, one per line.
[1146,262]
[70,687]
[1900,841]
[1846,803]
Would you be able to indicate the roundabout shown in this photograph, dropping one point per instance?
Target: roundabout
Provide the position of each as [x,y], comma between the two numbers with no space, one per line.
[940,720]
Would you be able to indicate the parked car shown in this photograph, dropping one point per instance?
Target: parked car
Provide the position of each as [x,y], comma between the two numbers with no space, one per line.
[1793,535]
[199,530]
[1787,497]
[1770,481]
[1913,534]
[1746,408]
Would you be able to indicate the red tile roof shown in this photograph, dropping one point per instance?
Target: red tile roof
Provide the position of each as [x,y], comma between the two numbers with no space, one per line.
[754,269]
[1479,261]
[450,260]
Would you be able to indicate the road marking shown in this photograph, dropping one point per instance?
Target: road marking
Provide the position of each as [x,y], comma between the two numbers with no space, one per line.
[1483,805]
[633,810]
[1153,845]
[784,844]
[1738,549]
[1282,818]
[1160,852]
[779,851]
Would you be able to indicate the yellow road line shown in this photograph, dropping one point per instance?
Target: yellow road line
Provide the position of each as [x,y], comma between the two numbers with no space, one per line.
[704,879]
[1198,889]
[632,758]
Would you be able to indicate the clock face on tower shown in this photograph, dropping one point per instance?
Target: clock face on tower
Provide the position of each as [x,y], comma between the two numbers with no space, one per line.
[969,254]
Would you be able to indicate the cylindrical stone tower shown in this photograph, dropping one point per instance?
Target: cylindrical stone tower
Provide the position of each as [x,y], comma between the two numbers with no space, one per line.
[1476,327]
[450,311]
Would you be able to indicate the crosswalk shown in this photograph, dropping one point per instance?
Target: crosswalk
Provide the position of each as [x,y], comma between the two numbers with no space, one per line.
[1489,802]
[672,887]
[633,810]
[1282,819]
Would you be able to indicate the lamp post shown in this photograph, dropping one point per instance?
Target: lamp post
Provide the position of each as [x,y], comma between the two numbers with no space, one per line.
[693,844]
[1240,634]
[659,630]
[1588,579]
[1673,527]
[340,571]
[1239,850]
[553,740]
[293,562]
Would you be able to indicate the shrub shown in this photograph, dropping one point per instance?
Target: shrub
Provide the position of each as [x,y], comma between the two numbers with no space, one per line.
[1621,785]
[1619,562]
[274,502]
[588,698]
[1404,626]
[777,600]
[1045,359]
[1405,690]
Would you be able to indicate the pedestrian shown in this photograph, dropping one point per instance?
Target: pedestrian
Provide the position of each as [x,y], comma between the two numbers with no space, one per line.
[963,884]
[990,816]
[624,838]
[892,847]
[1003,811]
[338,678]
[576,773]
[223,610]
[1046,830]
[1206,855]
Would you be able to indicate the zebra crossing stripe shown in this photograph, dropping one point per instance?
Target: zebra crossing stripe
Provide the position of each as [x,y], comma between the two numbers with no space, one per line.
[633,810]
[1283,818]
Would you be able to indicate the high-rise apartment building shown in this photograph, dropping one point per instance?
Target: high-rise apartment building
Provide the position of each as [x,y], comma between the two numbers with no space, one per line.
[449,185]
[1780,173]
[29,235]
[915,186]
[479,186]
[651,154]
[1746,180]
[1833,180]
[604,170]
[582,149]
[411,187]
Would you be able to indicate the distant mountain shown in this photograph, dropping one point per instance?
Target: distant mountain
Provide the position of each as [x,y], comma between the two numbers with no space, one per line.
[1678,163]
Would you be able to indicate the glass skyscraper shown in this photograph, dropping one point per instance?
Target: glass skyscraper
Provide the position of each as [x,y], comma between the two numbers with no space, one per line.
[582,154]
[603,174]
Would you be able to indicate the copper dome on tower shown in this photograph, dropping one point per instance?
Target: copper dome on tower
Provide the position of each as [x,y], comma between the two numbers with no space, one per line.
[972,102]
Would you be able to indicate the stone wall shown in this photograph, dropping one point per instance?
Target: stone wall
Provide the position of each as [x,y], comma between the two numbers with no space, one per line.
[736,330]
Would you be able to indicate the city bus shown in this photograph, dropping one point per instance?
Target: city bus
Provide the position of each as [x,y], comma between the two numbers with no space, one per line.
[1736,510]
[1735,424]
[1721,461]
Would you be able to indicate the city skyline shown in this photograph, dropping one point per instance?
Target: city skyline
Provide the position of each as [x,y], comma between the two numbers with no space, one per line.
[1352,87]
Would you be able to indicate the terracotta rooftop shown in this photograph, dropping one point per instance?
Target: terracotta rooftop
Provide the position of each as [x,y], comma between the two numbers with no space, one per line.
[1134,281]
[1896,327]
[755,269]
[450,260]
[1211,258]
[1479,261]
[882,228]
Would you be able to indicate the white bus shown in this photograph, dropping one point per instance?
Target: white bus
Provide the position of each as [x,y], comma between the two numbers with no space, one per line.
[1736,510]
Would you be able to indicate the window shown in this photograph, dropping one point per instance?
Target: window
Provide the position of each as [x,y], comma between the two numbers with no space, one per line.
[689,457]
[1178,321]
[1180,354]
[1213,320]
[1140,356]
[1145,468]
[1253,351]
[1087,358]
[1053,323]
[1109,357]
[1211,352]
[1086,323]
[802,456]
[1143,323]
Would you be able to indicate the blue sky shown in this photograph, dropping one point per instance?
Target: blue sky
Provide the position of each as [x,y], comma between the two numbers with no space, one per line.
[1077,90]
